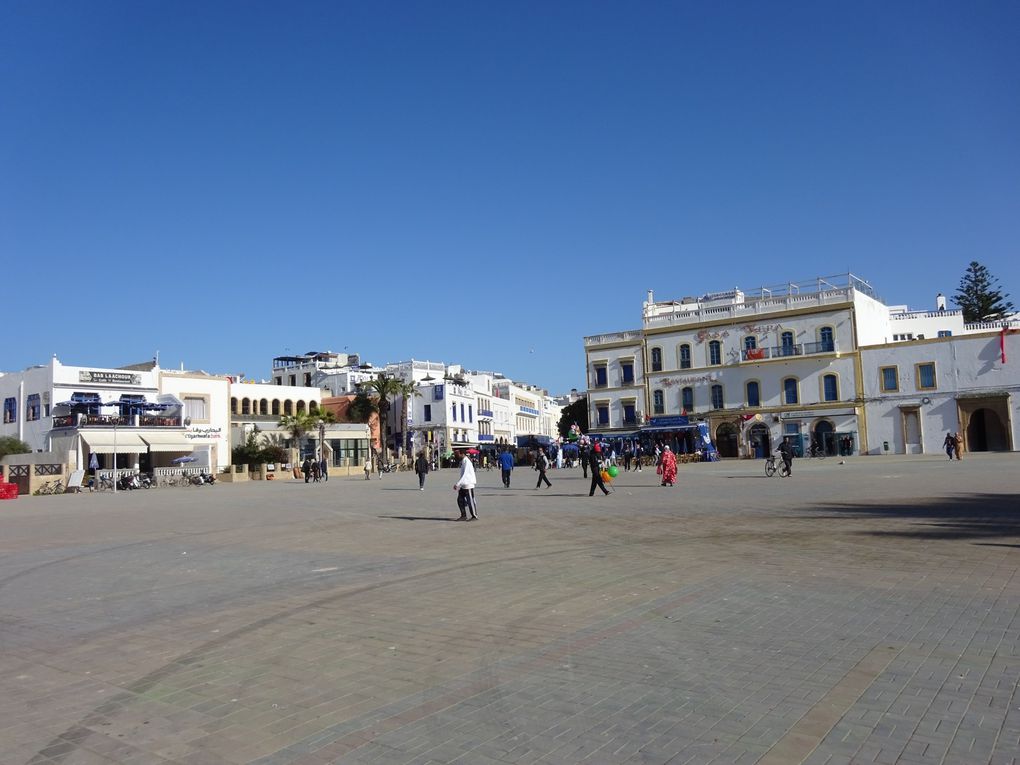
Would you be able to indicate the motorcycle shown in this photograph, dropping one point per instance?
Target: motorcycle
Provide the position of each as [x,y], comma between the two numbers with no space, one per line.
[199,479]
[132,482]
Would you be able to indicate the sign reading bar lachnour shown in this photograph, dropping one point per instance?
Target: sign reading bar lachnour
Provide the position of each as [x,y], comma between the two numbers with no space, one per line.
[116,378]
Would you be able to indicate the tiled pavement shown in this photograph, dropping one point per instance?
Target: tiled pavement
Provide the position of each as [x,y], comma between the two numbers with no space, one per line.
[856,613]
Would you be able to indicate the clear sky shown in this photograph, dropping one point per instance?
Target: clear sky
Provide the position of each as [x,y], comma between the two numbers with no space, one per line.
[482,182]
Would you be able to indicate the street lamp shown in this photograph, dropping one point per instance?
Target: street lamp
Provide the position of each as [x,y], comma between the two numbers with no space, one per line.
[430,379]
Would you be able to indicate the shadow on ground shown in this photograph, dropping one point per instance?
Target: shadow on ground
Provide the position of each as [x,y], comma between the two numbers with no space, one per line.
[975,516]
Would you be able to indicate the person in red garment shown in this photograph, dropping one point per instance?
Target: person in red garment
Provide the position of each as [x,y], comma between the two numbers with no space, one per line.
[668,467]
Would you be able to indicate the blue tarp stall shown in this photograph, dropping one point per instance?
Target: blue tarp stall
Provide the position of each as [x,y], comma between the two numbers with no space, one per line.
[680,435]
[533,441]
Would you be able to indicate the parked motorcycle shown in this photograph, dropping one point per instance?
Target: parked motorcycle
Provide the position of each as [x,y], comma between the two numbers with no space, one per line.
[200,479]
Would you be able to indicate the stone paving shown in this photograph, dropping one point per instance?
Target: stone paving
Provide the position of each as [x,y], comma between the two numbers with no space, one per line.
[864,612]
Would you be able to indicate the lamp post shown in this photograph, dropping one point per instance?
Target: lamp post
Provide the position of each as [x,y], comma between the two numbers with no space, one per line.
[430,379]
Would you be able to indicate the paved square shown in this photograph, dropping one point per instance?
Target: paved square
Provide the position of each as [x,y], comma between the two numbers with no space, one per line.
[864,612]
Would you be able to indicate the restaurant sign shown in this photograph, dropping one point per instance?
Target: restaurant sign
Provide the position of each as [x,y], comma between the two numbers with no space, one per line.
[102,376]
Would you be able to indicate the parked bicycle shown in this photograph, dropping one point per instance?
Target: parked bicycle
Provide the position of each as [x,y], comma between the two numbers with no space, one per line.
[51,487]
[771,467]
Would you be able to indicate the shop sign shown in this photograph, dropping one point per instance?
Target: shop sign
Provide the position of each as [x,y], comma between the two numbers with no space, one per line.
[817,413]
[204,433]
[114,378]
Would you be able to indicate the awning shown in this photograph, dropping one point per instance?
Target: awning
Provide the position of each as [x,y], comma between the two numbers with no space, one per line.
[102,441]
[168,441]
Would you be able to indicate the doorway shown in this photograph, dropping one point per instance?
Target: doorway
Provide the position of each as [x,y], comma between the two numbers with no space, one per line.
[825,436]
[726,438]
[910,430]
[759,442]
[985,432]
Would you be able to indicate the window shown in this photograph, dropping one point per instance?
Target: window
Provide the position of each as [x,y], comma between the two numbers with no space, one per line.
[658,402]
[428,413]
[945,333]
[602,414]
[601,380]
[826,341]
[471,414]
[685,356]
[627,372]
[629,413]
[750,343]
[462,413]
[715,353]
[753,393]
[293,380]
[830,388]
[10,410]
[786,341]
[32,407]
[453,412]
[717,397]
[195,408]
[790,395]
[687,399]
[926,376]
[890,379]
[656,359]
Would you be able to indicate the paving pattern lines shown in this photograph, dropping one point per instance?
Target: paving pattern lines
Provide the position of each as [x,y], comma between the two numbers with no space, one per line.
[98,718]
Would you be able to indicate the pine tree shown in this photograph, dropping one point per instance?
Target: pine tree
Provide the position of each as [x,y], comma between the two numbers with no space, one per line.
[978,296]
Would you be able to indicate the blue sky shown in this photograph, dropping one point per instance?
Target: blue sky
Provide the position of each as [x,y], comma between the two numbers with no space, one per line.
[482,182]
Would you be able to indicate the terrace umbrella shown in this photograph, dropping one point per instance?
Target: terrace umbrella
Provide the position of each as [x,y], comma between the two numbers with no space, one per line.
[182,460]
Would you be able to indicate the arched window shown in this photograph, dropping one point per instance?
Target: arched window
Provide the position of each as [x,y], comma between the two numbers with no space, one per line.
[656,359]
[300,407]
[245,406]
[826,340]
[753,393]
[717,397]
[790,395]
[685,356]
[288,408]
[263,407]
[658,402]
[233,406]
[830,388]
[276,407]
[786,341]
[715,352]
[687,399]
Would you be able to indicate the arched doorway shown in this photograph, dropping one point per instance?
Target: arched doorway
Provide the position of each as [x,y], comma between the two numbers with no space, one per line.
[726,436]
[985,432]
[825,436]
[759,443]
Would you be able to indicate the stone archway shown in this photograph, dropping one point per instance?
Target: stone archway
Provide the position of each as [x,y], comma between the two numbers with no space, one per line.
[985,432]
[726,436]
[985,424]
[825,436]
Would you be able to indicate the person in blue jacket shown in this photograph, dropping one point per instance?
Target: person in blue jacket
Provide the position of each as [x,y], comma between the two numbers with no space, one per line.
[506,465]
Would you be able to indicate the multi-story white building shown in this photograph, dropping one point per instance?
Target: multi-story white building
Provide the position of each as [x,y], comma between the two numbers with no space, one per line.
[755,367]
[916,392]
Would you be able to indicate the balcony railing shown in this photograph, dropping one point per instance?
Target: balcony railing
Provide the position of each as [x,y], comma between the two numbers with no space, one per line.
[784,351]
[485,413]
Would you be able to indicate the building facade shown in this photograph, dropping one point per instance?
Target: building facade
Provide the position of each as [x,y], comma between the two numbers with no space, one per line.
[783,363]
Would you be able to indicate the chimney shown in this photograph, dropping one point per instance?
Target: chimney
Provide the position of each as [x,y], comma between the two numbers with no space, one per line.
[651,297]
[940,302]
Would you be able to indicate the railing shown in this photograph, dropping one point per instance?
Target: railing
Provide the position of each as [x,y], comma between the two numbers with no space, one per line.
[614,337]
[528,410]
[783,351]
[486,437]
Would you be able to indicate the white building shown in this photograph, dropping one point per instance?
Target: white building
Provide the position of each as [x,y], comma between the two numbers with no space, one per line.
[755,367]
[916,392]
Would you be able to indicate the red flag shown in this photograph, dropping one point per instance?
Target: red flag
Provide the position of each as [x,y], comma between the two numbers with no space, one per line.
[1002,343]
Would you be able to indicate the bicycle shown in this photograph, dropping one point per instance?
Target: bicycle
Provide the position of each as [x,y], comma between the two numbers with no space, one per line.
[771,467]
[51,487]
[816,451]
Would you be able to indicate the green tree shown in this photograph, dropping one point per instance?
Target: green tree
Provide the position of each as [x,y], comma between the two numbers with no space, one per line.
[574,413]
[12,445]
[361,408]
[297,425]
[978,296]
[384,387]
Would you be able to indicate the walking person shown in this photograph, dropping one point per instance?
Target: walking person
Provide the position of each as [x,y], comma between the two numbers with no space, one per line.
[315,471]
[465,488]
[786,452]
[637,456]
[541,465]
[628,455]
[306,468]
[668,467]
[949,445]
[421,467]
[324,469]
[595,465]
[958,446]
[506,466]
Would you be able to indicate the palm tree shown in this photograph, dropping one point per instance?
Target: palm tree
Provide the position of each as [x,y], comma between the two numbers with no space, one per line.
[298,425]
[384,387]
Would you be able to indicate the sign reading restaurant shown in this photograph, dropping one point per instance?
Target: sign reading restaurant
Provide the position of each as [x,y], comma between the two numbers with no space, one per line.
[116,378]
